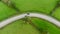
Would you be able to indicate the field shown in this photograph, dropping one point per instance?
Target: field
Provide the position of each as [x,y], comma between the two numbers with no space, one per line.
[20,27]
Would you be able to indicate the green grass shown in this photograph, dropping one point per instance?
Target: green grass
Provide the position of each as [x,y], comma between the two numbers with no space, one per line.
[52,29]
[44,6]
[5,11]
[57,13]
[19,27]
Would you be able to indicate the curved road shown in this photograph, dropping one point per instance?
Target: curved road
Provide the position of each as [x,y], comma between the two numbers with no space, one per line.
[42,16]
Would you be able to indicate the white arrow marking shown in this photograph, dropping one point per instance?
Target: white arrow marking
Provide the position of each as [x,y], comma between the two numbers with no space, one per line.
[45,17]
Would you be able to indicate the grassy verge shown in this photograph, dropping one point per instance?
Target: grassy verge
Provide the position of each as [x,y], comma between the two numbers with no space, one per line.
[19,27]
[44,6]
[56,14]
[52,29]
[5,11]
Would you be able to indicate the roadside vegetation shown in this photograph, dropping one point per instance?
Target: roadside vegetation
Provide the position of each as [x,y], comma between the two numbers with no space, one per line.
[29,25]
